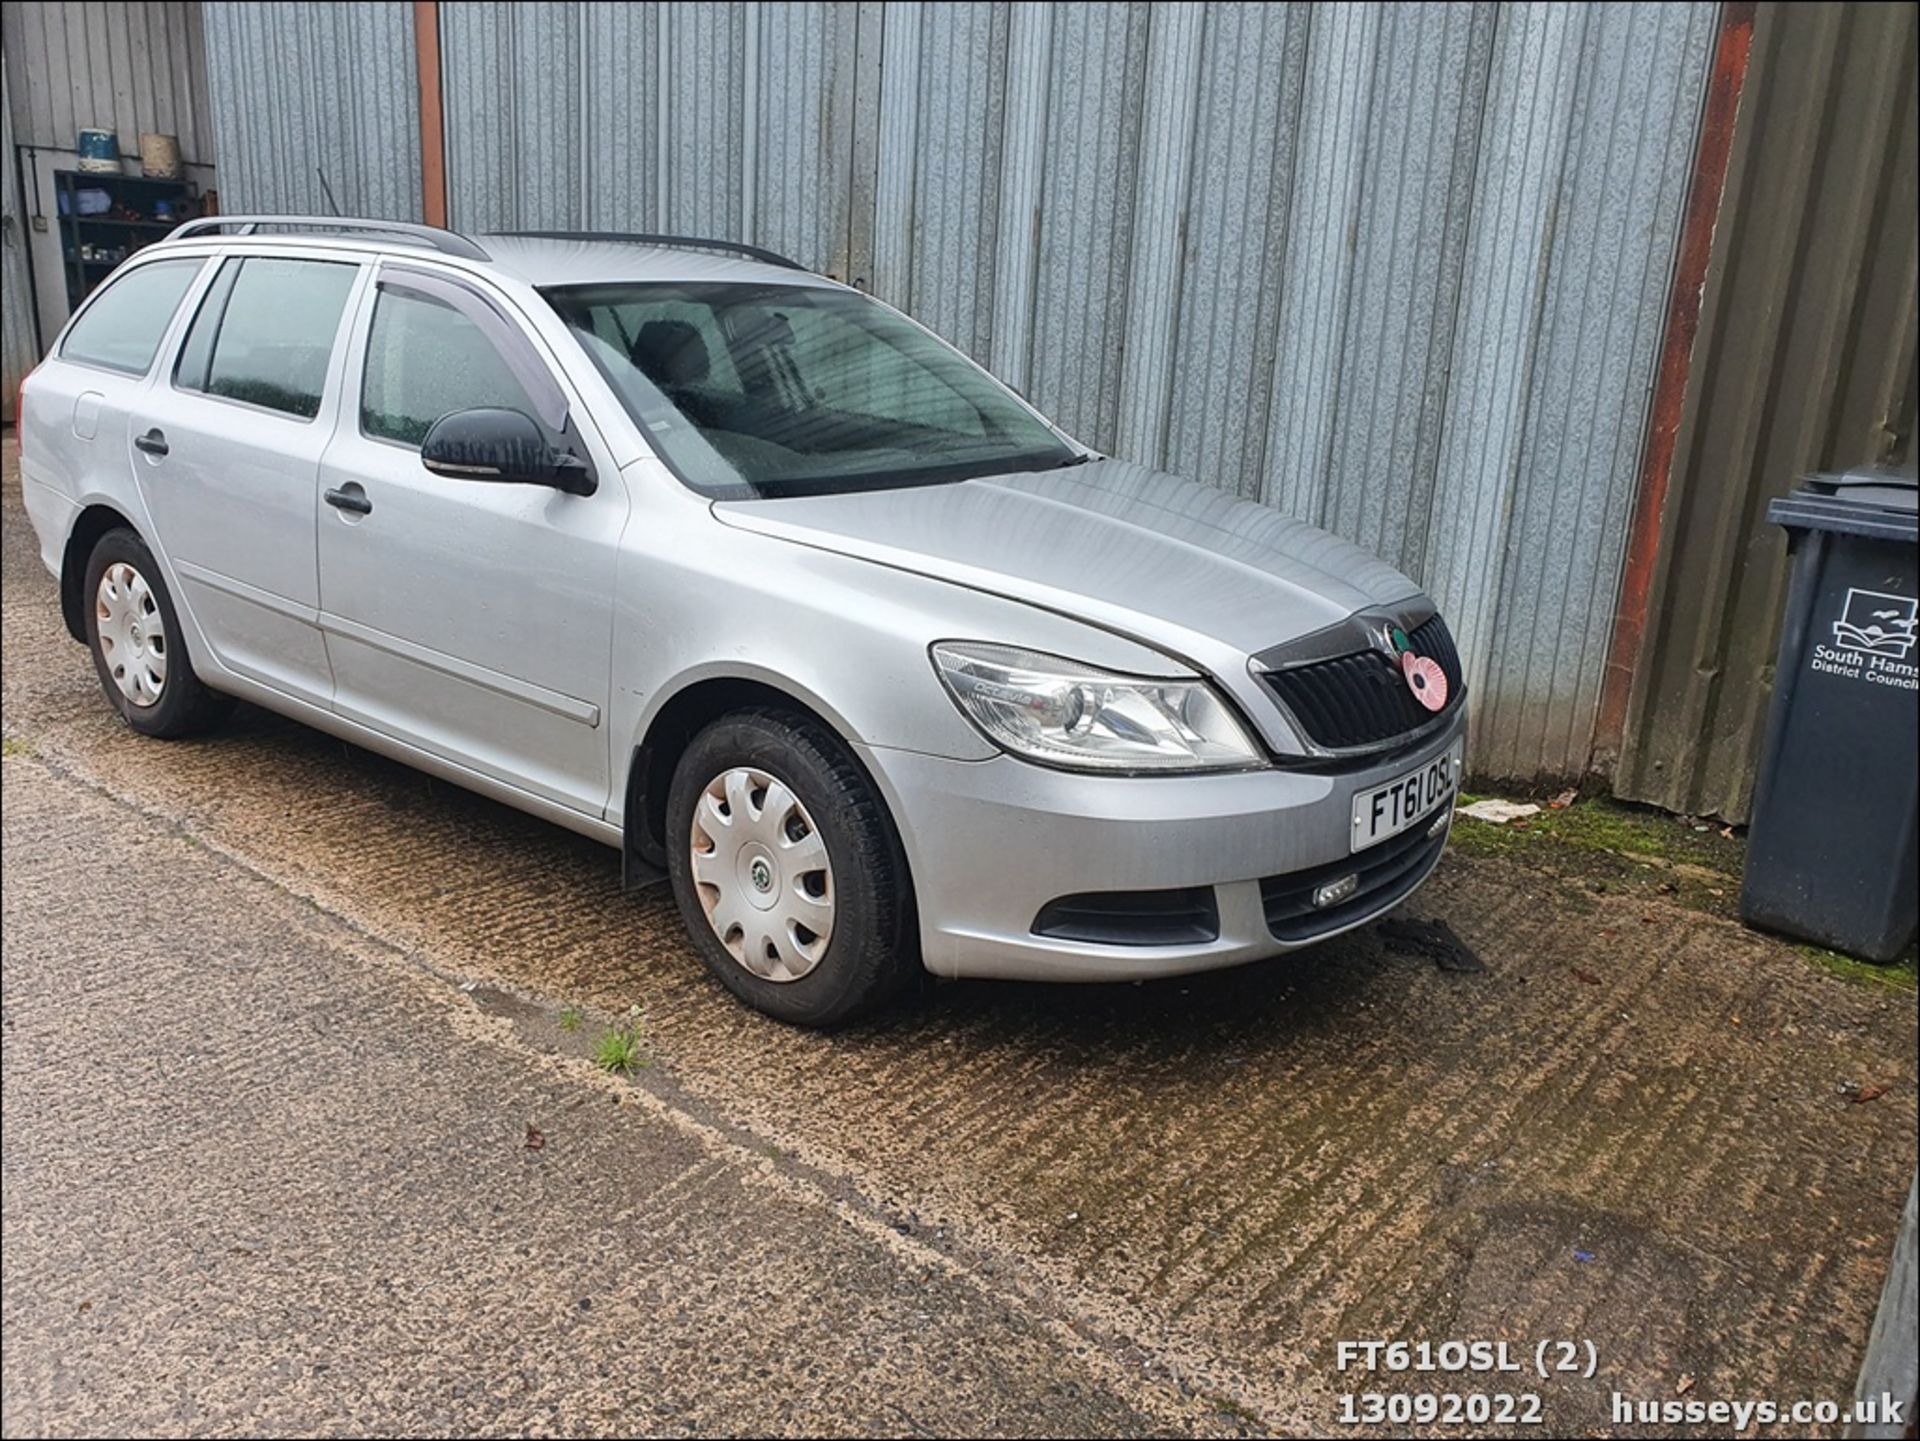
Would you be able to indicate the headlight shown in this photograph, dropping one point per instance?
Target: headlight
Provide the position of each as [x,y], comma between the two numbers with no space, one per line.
[1072,715]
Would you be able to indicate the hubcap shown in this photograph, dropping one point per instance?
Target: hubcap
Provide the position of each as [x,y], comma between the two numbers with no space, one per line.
[760,869]
[133,638]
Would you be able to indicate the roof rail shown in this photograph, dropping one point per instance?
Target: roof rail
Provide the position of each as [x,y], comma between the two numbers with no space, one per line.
[444,241]
[680,242]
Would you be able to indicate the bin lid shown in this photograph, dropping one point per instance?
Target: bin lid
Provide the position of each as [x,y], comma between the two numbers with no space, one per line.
[1877,502]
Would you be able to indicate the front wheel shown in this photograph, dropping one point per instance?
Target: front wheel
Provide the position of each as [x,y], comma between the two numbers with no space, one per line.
[787,870]
[134,634]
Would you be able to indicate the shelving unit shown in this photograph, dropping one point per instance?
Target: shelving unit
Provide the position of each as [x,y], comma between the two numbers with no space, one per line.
[129,224]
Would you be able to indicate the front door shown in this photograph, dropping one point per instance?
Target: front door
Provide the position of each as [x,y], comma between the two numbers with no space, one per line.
[470,619]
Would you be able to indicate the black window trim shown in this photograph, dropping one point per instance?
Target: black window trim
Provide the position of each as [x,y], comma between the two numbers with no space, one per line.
[219,290]
[112,279]
[236,263]
[500,330]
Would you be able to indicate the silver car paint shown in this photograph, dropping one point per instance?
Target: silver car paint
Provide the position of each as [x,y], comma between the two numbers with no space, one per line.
[474,621]
[233,515]
[1094,833]
[597,611]
[1191,570]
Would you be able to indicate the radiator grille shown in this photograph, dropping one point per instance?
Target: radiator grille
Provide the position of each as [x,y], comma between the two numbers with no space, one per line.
[1362,699]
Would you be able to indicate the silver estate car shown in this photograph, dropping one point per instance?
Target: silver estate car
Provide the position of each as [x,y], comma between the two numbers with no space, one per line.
[744,572]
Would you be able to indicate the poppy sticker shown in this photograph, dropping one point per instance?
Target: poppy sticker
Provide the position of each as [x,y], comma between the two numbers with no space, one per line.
[1425,679]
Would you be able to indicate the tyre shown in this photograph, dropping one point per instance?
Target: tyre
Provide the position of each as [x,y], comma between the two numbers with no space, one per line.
[134,634]
[788,871]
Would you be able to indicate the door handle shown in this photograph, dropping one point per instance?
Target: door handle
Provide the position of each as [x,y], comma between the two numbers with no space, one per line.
[153,442]
[352,498]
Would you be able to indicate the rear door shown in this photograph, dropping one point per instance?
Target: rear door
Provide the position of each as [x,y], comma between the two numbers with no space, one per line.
[469,619]
[74,439]
[228,450]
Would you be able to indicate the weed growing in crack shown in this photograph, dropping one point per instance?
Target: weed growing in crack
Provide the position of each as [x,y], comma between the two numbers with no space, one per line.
[623,1050]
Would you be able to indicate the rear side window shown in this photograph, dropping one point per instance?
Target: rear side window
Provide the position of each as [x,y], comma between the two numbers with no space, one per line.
[265,333]
[121,329]
[426,359]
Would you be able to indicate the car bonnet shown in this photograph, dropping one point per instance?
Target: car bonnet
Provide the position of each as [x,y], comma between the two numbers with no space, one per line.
[1170,562]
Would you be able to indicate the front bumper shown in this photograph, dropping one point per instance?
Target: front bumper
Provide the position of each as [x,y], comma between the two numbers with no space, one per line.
[991,843]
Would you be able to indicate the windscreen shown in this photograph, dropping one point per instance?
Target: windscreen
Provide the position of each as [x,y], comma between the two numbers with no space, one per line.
[770,390]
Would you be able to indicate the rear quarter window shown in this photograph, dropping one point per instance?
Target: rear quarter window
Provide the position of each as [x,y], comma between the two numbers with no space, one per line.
[121,327]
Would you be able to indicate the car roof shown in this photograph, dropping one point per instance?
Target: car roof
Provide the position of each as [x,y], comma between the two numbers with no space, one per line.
[547,262]
[538,258]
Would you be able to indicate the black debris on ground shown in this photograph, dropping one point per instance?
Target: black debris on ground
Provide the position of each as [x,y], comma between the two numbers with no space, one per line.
[1430,940]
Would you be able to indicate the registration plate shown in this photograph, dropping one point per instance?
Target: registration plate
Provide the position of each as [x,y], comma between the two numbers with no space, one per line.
[1390,809]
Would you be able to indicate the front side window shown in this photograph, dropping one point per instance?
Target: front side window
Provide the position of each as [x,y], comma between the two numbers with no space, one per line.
[121,328]
[766,390]
[264,334]
[425,359]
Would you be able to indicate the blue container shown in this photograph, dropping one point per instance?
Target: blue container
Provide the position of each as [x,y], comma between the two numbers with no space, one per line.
[99,152]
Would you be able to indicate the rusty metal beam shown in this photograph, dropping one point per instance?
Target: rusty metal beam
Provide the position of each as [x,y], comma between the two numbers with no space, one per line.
[433,139]
[1715,149]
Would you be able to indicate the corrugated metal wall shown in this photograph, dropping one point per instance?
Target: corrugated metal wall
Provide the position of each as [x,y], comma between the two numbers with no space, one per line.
[130,67]
[1805,360]
[1399,269]
[667,111]
[301,90]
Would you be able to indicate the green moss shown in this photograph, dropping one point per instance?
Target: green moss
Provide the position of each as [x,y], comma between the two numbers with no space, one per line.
[1900,976]
[1611,826]
[11,746]
[1478,838]
[1603,845]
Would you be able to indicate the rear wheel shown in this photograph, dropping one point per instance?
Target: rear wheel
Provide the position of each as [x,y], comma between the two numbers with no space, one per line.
[787,870]
[134,635]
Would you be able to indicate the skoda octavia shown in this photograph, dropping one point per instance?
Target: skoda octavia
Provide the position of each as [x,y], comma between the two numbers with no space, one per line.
[747,574]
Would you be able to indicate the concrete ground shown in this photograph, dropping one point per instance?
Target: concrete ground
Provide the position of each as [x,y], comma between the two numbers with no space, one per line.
[296,1140]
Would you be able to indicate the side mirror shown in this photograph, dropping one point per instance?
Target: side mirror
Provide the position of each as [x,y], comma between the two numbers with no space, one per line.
[506,446]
